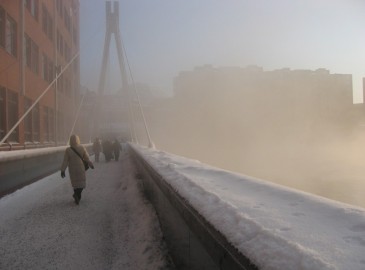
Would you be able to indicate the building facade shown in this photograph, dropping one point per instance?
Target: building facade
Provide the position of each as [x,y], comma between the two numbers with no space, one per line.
[280,102]
[317,93]
[38,40]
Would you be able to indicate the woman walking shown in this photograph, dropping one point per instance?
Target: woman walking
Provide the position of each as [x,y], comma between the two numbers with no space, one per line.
[74,158]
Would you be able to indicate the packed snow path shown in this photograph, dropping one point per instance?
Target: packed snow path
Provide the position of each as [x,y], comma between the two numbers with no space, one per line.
[114,227]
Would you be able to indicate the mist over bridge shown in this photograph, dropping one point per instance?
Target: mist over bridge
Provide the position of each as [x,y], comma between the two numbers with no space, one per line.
[195,120]
[210,218]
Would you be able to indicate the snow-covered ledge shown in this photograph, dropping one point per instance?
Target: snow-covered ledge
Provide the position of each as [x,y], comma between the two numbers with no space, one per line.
[22,167]
[274,226]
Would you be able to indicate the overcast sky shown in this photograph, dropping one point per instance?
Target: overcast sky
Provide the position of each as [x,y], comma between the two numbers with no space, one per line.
[163,37]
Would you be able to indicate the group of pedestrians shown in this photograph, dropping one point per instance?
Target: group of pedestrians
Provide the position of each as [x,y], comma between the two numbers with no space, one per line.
[77,160]
[110,149]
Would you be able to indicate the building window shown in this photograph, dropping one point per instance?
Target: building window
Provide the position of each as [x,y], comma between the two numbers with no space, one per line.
[35,123]
[28,121]
[47,23]
[59,43]
[31,54]
[51,71]
[32,6]
[35,58]
[46,124]
[61,127]
[67,52]
[12,114]
[28,50]
[67,19]
[2,27]
[51,124]
[2,112]
[10,36]
[59,7]
[47,69]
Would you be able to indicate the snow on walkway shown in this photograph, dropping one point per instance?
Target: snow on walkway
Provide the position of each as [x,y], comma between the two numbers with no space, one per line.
[114,227]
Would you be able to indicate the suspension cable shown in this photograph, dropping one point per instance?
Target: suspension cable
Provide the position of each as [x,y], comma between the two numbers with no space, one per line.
[150,143]
[44,92]
[77,114]
[39,98]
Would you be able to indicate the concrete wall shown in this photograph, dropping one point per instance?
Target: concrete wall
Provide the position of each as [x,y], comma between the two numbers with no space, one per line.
[193,242]
[20,168]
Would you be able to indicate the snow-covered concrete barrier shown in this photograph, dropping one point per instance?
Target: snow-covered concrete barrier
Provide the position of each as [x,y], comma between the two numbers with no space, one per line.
[193,242]
[239,219]
[21,167]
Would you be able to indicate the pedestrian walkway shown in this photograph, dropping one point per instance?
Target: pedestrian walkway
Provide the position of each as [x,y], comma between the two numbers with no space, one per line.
[114,227]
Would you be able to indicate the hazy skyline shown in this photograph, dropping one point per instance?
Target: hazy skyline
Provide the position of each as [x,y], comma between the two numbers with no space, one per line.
[165,37]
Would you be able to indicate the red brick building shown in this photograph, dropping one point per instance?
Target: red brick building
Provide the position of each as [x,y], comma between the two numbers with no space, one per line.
[38,38]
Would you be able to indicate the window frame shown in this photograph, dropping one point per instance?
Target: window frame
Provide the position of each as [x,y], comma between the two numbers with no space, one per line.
[31,54]
[28,121]
[11,35]
[33,8]
[47,23]
[13,114]
[2,26]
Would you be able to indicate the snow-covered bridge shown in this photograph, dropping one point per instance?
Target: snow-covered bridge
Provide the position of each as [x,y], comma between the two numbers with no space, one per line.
[114,227]
[203,212]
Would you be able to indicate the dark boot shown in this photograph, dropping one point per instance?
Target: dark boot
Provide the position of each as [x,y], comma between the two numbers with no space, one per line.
[76,198]
[78,193]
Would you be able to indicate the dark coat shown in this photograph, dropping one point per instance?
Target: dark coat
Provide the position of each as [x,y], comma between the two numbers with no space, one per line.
[97,146]
[116,147]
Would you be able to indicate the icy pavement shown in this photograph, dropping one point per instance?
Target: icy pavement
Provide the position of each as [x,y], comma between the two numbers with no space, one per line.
[114,227]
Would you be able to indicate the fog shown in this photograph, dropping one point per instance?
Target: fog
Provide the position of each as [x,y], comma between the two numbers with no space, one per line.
[300,130]
[295,126]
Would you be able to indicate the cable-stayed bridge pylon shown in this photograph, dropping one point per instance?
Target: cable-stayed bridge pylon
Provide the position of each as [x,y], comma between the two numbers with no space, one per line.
[112,27]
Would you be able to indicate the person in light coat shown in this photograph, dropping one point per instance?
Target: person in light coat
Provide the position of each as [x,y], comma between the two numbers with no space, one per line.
[76,166]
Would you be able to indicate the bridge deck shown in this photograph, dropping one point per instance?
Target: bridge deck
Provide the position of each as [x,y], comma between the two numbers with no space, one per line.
[114,227]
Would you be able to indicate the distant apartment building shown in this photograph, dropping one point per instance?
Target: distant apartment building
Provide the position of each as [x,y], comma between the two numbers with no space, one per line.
[38,38]
[302,97]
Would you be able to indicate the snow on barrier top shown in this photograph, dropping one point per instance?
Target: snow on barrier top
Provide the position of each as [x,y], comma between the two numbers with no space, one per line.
[29,153]
[21,154]
[275,226]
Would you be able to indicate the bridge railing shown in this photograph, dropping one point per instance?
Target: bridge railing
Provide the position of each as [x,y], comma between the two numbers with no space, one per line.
[22,167]
[192,241]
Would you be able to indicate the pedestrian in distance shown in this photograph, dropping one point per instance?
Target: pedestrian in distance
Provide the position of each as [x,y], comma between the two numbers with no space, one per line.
[107,150]
[116,149]
[75,158]
[97,148]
